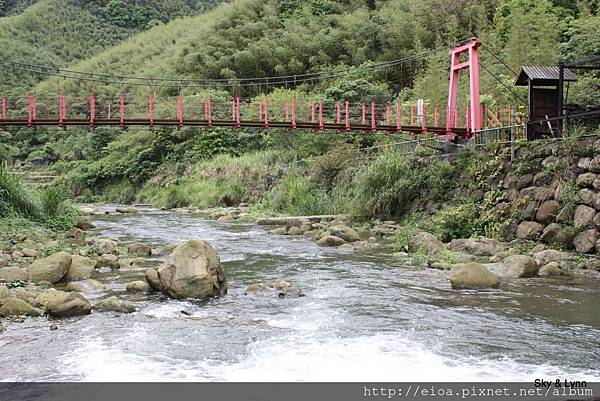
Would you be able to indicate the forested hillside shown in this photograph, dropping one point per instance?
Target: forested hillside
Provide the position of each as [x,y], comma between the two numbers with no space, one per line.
[63,32]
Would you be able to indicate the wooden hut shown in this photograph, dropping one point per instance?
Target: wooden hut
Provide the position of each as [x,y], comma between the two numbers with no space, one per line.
[543,92]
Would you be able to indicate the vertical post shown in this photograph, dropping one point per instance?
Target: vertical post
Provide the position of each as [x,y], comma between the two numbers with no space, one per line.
[436,115]
[347,115]
[338,118]
[233,112]
[62,110]
[561,98]
[260,110]
[287,111]
[398,117]
[364,114]
[180,111]
[320,113]
[475,123]
[151,109]
[312,112]
[237,108]
[209,109]
[423,120]
[512,137]
[122,110]
[412,116]
[266,112]
[373,117]
[3,112]
[294,112]
[92,111]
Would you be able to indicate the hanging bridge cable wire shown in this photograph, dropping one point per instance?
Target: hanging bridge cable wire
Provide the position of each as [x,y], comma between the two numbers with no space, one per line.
[511,90]
[223,82]
[501,61]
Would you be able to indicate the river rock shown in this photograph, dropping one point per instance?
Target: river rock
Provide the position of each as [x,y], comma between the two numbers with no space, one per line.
[4,293]
[424,241]
[113,304]
[193,270]
[519,266]
[529,230]
[81,268]
[138,248]
[473,276]
[127,210]
[106,246]
[585,241]
[85,224]
[330,240]
[294,231]
[279,288]
[168,248]
[550,269]
[344,232]
[29,252]
[17,307]
[551,255]
[137,286]
[52,268]
[13,273]
[478,247]
[108,260]
[86,286]
[51,298]
[586,180]
[153,280]
[74,305]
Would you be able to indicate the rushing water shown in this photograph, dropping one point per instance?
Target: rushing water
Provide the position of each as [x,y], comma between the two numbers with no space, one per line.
[364,318]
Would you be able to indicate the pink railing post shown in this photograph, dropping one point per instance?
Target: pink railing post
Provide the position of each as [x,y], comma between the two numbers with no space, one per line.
[373,117]
[312,112]
[122,110]
[3,112]
[233,112]
[151,109]
[180,111]
[364,114]
[237,108]
[321,125]
[287,111]
[423,120]
[412,116]
[294,112]
[92,111]
[398,117]
[436,116]
[260,109]
[266,112]
[347,115]
[209,112]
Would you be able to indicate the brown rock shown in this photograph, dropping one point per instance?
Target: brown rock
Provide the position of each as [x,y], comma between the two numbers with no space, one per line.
[547,212]
[565,215]
[586,196]
[584,216]
[585,242]
[550,233]
[586,180]
[529,230]
[524,181]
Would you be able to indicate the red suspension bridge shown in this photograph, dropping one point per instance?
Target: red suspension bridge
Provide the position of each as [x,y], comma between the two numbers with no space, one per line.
[447,121]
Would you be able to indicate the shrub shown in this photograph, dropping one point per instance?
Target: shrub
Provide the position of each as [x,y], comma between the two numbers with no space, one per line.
[460,221]
[295,195]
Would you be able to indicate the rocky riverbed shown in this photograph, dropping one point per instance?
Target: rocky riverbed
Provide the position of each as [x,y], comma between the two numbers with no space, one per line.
[288,286]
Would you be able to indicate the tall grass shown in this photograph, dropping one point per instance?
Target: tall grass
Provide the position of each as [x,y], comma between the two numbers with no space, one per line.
[46,206]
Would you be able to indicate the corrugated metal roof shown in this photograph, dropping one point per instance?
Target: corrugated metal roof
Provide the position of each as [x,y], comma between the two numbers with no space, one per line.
[542,73]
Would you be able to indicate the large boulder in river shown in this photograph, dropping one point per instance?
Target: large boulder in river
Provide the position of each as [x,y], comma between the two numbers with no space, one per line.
[138,248]
[424,241]
[52,268]
[344,232]
[520,266]
[113,304]
[74,305]
[81,268]
[193,270]
[473,276]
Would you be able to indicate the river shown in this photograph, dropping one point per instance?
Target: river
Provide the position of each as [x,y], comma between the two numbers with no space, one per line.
[364,318]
